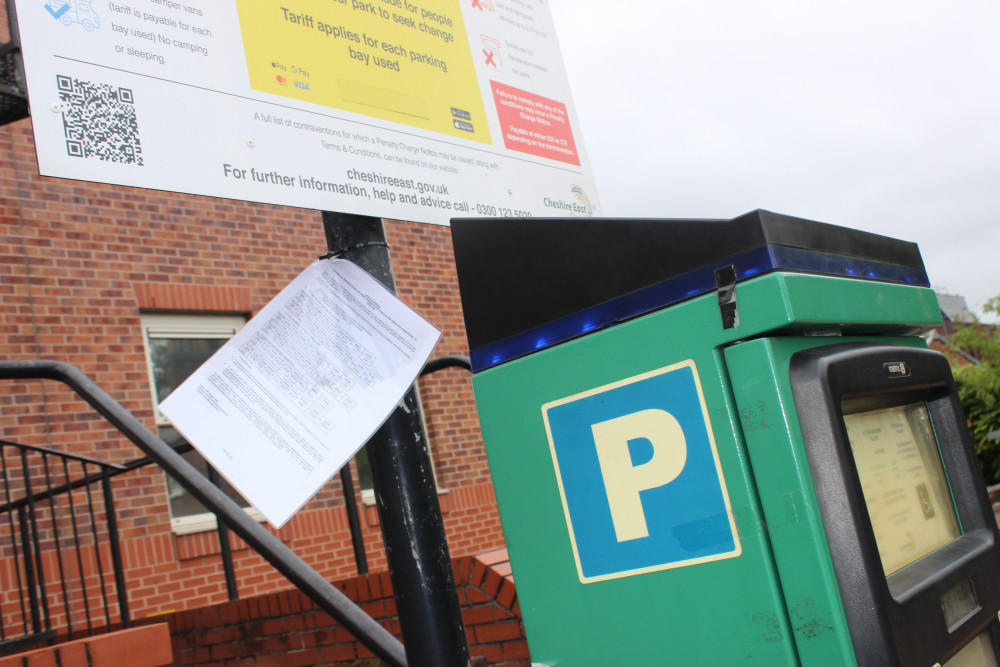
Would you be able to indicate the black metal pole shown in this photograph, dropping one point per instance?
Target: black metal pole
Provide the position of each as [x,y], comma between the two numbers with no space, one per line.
[29,572]
[430,615]
[116,551]
[34,543]
[351,505]
[225,552]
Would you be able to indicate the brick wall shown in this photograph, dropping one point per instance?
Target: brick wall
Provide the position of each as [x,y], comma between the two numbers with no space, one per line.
[136,647]
[80,261]
[285,629]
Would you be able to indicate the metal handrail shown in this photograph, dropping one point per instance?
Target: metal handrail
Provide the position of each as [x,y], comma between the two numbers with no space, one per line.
[30,509]
[326,596]
[452,361]
[111,469]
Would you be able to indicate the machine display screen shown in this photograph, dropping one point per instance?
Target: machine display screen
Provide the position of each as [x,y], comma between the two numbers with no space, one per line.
[977,653]
[907,494]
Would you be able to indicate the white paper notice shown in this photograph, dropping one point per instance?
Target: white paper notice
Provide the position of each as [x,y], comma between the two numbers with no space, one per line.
[290,399]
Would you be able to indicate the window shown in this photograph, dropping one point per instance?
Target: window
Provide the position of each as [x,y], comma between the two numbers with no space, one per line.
[176,345]
[364,480]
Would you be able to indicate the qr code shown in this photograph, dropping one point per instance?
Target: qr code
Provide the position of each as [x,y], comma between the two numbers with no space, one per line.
[99,121]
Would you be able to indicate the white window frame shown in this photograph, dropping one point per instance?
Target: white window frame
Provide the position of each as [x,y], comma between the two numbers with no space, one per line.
[188,325]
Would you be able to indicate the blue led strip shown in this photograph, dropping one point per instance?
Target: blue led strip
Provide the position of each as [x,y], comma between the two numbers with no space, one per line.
[680,288]
[808,261]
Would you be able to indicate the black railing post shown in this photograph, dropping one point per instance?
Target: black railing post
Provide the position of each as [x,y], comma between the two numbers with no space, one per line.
[13,537]
[54,520]
[412,527]
[116,553]
[351,505]
[225,553]
[76,535]
[79,552]
[29,571]
[97,557]
[32,521]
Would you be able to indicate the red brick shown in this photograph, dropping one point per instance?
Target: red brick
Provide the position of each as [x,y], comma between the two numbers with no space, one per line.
[74,653]
[498,632]
[503,613]
[375,587]
[241,662]
[516,650]
[364,591]
[493,653]
[505,597]
[493,557]
[477,573]
[282,643]
[491,582]
[476,596]
[478,615]
[37,658]
[272,626]
[385,583]
[294,623]
[194,656]
[142,647]
[302,658]
[224,651]
[460,566]
[336,654]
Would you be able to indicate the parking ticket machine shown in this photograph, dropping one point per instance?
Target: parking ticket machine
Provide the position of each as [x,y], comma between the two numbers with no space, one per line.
[723,442]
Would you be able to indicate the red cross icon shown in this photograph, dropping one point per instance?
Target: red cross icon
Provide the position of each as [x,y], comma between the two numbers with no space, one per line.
[489,58]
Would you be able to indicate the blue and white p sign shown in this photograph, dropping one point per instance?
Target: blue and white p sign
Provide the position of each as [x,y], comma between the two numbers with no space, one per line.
[639,475]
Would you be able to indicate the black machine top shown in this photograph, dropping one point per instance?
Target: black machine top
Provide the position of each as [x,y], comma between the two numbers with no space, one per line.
[527,283]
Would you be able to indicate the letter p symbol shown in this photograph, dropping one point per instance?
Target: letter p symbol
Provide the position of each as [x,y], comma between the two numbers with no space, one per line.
[622,480]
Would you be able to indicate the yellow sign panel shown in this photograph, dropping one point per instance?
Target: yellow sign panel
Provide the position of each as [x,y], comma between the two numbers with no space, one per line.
[397,60]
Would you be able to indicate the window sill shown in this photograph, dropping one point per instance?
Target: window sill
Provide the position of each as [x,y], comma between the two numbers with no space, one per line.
[202,523]
[368,496]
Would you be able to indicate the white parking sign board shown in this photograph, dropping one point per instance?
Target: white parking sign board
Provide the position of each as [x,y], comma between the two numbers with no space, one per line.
[422,110]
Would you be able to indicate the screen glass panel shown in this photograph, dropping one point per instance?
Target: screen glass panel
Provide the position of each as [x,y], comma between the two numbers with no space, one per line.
[903,482]
[977,653]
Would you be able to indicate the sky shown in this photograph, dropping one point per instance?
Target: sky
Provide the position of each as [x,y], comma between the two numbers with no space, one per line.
[879,115]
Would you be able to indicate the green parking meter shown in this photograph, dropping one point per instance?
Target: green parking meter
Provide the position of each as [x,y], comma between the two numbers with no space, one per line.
[722,442]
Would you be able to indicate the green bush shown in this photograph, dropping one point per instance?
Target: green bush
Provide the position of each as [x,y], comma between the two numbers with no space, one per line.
[979,388]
